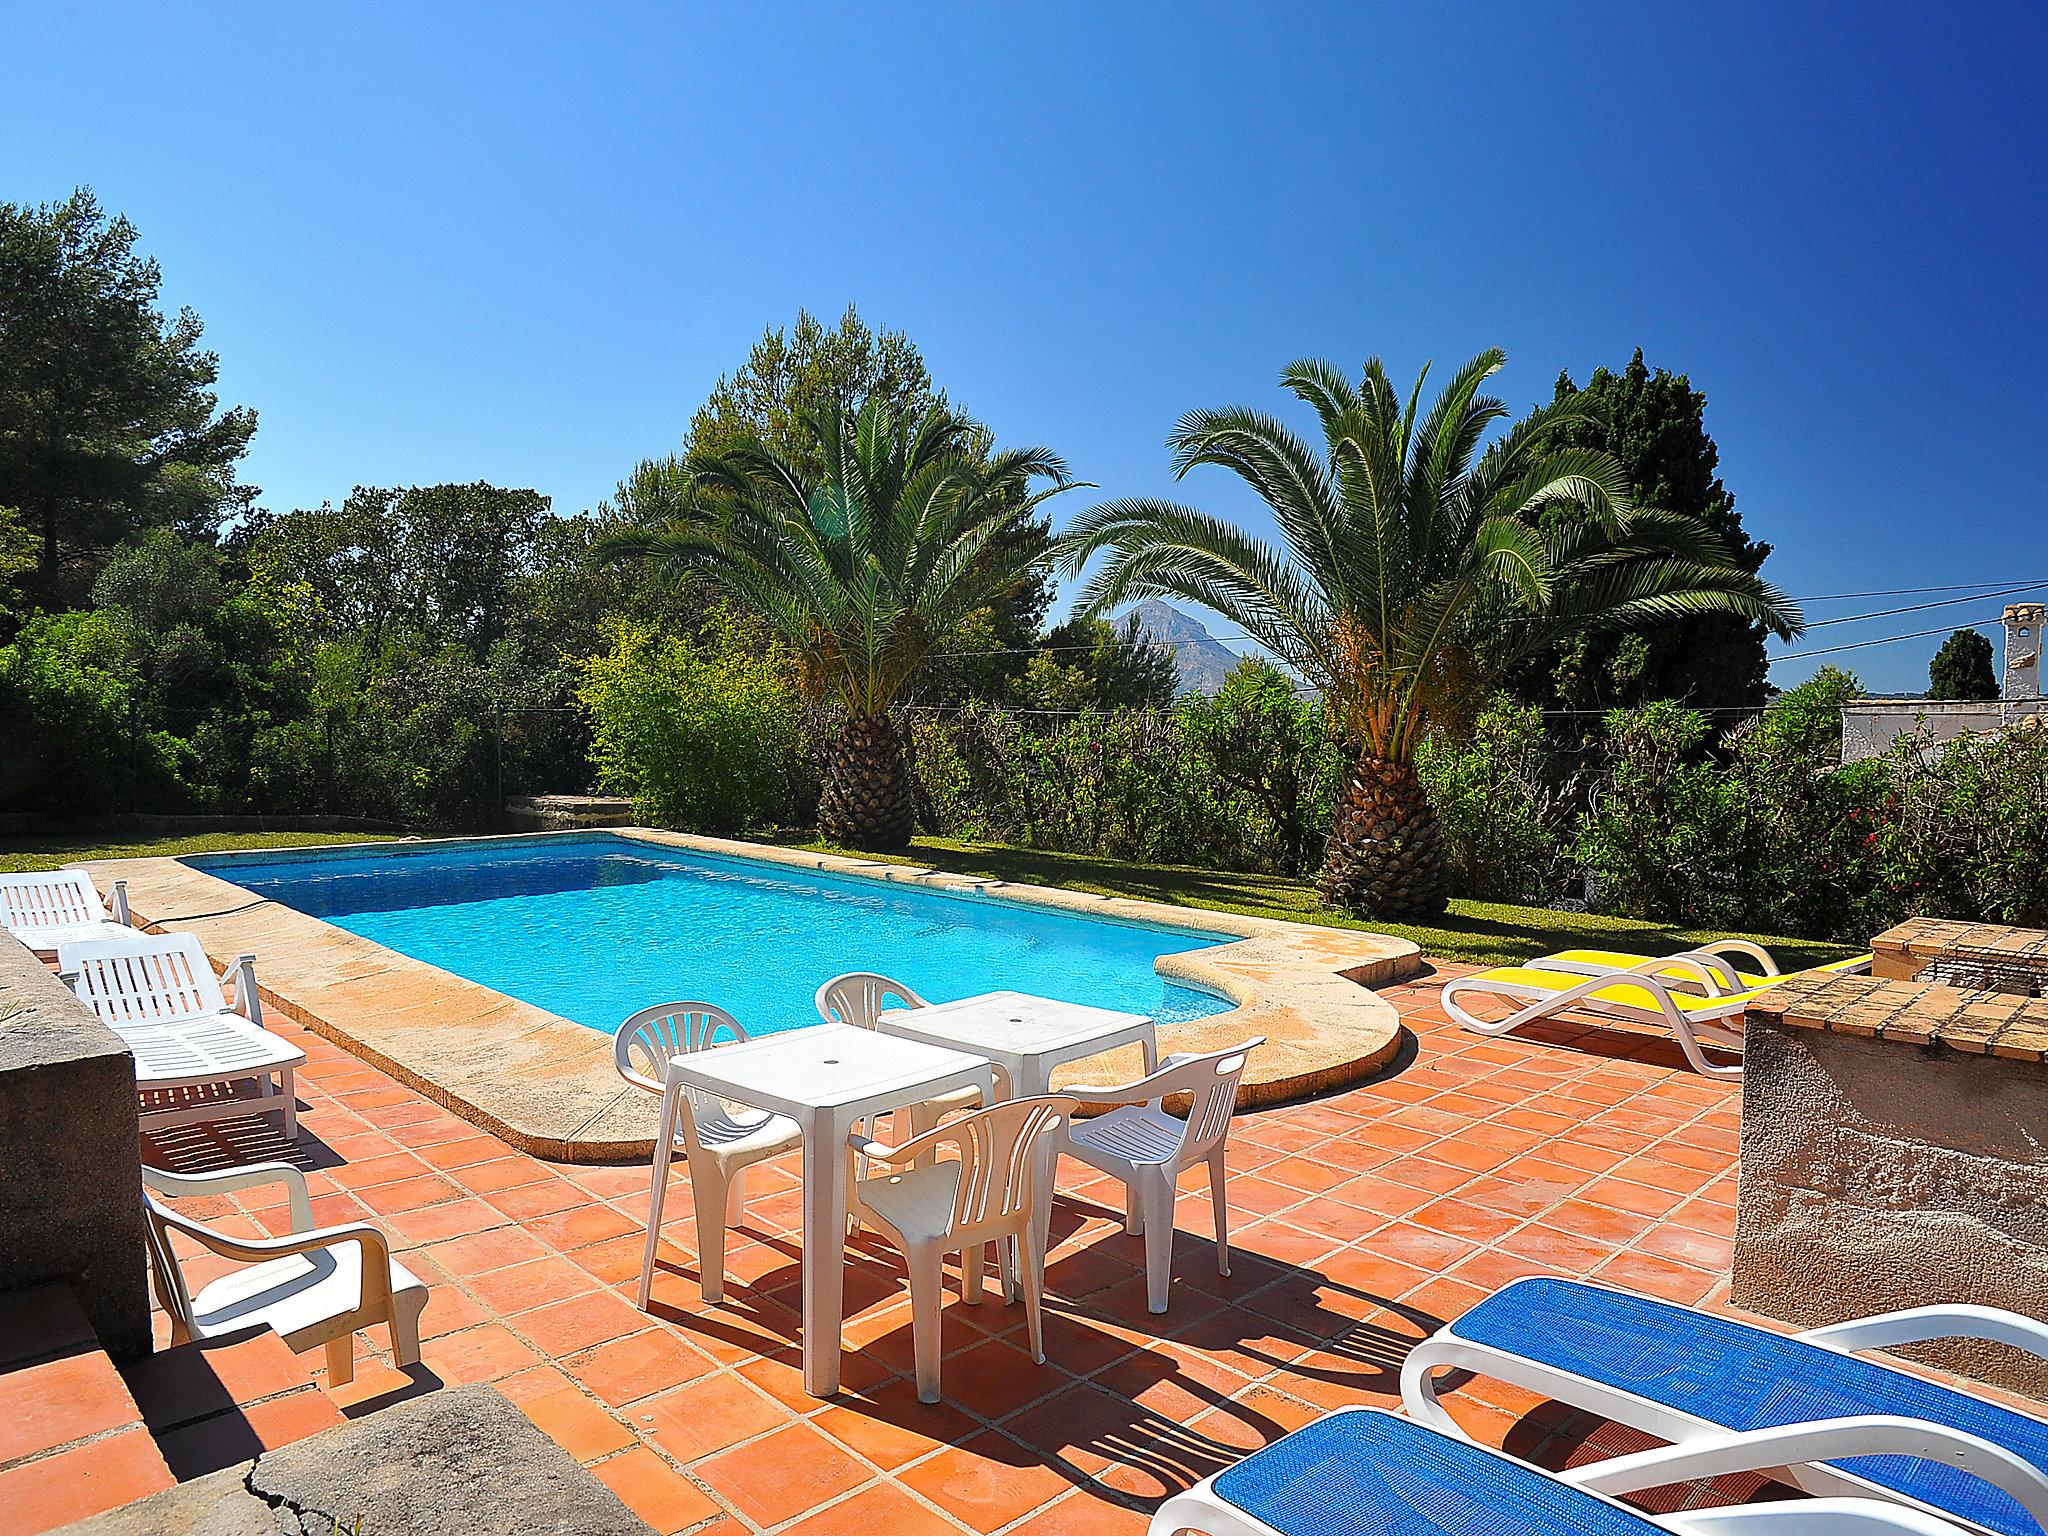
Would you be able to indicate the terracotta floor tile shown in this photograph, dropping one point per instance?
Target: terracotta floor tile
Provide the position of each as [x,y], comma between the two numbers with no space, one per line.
[1709,1251]
[176,1386]
[535,1283]
[448,1310]
[578,1425]
[455,1218]
[1657,1276]
[484,1353]
[408,1194]
[1085,1426]
[582,1226]
[655,1491]
[997,1378]
[75,1485]
[783,1474]
[781,1376]
[639,1365]
[481,1252]
[48,1405]
[883,1507]
[500,1174]
[706,1416]
[387,1169]
[987,1480]
[1081,1514]
[463,1152]
[563,1327]
[544,1197]
[209,1444]
[890,1427]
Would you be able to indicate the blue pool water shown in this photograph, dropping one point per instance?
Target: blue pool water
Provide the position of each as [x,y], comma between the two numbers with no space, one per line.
[594,927]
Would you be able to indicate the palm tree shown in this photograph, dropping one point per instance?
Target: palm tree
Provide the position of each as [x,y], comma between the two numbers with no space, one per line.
[1416,569]
[863,559]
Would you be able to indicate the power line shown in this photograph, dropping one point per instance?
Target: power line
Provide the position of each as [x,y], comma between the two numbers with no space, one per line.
[1947,602]
[1857,645]
[1830,597]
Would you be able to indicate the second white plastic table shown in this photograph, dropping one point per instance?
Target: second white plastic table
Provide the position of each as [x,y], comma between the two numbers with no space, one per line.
[825,1078]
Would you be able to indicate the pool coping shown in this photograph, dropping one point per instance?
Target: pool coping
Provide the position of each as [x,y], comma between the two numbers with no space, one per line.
[548,1086]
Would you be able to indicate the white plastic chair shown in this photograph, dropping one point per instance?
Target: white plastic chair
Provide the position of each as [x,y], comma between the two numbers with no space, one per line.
[987,1193]
[720,1141]
[316,1285]
[46,910]
[158,992]
[858,998]
[1148,1149]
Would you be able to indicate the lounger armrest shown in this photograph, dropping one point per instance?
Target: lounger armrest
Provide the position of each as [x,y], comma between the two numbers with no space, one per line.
[120,905]
[248,1002]
[1763,1450]
[1916,1325]
[230,1180]
[1714,975]
[1765,965]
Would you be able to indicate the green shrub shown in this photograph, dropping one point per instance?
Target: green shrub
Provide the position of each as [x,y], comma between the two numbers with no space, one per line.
[703,734]
[1961,829]
[1501,820]
[1656,842]
[77,742]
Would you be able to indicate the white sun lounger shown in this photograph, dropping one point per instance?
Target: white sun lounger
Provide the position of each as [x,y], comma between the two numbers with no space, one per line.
[1728,965]
[1367,1472]
[1637,996]
[47,910]
[1695,1378]
[158,992]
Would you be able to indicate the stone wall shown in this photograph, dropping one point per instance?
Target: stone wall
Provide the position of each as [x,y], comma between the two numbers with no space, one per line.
[1879,1175]
[70,1180]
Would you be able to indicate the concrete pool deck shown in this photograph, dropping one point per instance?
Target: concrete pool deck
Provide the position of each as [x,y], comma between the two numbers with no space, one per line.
[547,1086]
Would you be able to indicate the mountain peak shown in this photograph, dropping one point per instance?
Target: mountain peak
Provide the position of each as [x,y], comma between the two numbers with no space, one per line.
[1204,661]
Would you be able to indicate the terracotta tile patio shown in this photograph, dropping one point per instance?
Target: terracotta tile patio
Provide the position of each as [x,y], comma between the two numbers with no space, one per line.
[1364,1221]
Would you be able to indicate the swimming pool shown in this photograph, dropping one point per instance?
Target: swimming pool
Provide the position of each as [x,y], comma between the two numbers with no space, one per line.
[595,926]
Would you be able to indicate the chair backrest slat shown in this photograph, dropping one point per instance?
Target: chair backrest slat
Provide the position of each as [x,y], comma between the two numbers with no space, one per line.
[645,1041]
[151,978]
[999,1163]
[1210,1080]
[62,898]
[858,998]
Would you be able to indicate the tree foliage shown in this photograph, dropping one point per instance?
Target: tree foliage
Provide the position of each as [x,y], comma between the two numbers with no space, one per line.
[1418,566]
[1654,426]
[1961,669]
[109,423]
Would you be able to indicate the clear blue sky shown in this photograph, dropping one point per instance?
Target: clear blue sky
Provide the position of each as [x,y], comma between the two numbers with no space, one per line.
[520,243]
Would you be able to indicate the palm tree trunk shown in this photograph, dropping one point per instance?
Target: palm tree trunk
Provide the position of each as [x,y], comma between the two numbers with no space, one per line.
[1385,856]
[867,800]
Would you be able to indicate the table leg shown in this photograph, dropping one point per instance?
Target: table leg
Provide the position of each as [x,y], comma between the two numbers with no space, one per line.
[657,1194]
[824,1251]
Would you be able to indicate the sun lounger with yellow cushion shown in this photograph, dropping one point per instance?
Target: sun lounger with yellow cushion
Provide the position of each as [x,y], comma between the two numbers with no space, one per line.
[1637,996]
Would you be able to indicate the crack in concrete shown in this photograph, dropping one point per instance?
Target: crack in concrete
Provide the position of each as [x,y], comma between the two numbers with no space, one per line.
[283,1503]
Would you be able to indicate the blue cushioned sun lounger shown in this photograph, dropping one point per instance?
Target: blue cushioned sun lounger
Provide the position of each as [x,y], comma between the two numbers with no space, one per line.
[1366,1472]
[1679,1374]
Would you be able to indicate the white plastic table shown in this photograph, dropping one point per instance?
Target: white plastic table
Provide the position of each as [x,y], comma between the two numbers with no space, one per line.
[1027,1037]
[825,1078]
[1024,1035]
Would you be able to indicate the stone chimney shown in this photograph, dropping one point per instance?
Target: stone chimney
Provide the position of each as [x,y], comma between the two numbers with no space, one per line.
[2022,652]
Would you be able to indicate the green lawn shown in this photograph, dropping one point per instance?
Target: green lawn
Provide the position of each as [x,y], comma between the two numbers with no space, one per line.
[1493,933]
[20,854]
